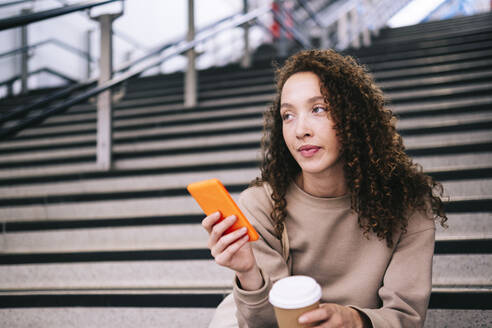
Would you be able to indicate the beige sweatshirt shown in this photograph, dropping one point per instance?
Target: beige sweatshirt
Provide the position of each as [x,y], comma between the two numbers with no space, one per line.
[390,285]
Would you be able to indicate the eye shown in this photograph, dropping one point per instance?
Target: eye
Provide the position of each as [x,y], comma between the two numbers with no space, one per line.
[286,116]
[319,109]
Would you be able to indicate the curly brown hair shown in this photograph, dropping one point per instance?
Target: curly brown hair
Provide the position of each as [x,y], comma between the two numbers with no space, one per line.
[383,181]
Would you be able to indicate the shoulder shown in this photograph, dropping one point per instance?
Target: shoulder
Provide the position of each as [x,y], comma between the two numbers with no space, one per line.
[420,220]
[256,197]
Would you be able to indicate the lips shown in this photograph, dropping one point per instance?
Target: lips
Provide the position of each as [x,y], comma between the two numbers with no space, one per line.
[308,150]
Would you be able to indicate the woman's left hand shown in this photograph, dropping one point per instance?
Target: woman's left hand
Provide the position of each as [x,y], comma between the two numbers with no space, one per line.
[333,315]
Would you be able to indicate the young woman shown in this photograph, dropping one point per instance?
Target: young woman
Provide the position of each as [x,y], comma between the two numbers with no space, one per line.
[337,184]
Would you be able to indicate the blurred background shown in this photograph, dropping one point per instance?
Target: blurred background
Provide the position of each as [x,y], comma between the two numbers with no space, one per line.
[109,108]
[70,44]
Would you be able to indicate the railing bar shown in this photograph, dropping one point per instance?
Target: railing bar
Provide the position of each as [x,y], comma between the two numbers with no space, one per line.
[21,20]
[175,50]
[58,74]
[22,49]
[72,49]
[305,5]
[13,3]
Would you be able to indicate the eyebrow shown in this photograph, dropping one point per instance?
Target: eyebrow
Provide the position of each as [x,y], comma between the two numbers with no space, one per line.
[309,101]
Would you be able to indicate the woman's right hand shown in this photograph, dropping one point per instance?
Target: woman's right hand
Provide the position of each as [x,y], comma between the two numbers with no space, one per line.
[231,250]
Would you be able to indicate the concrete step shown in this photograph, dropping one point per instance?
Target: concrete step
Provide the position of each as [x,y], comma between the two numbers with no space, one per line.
[436,70]
[428,161]
[444,139]
[158,112]
[398,45]
[418,52]
[443,160]
[129,184]
[431,108]
[210,135]
[462,270]
[138,137]
[179,106]
[132,184]
[106,239]
[143,163]
[458,318]
[449,28]
[478,225]
[461,147]
[80,121]
[407,110]
[129,317]
[467,187]
[397,63]
[104,209]
[233,133]
[103,237]
[440,92]
[109,317]
[406,126]
[68,273]
[434,122]
[419,82]
[138,276]
[140,89]
[149,202]
[152,121]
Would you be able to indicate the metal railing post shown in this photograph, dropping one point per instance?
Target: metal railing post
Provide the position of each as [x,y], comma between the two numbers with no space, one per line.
[246,60]
[191,76]
[342,33]
[24,56]
[104,108]
[366,34]
[325,38]
[354,28]
[89,53]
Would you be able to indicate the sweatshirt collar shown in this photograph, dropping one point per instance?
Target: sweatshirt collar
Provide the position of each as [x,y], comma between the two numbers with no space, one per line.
[297,194]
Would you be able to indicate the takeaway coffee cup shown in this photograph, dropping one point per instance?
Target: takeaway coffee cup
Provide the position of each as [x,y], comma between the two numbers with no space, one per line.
[293,296]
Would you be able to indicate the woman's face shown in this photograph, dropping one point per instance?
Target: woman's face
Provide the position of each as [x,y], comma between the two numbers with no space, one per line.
[307,127]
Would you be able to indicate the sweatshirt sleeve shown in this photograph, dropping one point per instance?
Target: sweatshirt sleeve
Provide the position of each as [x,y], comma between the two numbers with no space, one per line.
[407,282]
[254,309]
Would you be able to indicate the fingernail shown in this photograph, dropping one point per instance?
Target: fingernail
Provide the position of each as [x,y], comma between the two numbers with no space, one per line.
[302,319]
[243,229]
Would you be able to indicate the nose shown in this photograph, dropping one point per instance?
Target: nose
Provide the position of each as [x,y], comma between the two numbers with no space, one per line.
[303,128]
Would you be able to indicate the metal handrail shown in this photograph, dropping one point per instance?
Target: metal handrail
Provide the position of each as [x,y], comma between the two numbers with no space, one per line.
[305,5]
[123,36]
[21,20]
[13,3]
[56,42]
[21,110]
[298,36]
[40,70]
[172,51]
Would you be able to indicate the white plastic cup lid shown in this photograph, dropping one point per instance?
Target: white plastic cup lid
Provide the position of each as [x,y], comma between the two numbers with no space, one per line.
[295,292]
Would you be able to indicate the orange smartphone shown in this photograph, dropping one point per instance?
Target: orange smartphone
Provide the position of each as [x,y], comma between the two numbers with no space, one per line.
[212,196]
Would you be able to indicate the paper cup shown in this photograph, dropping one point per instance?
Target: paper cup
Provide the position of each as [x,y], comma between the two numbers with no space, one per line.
[293,296]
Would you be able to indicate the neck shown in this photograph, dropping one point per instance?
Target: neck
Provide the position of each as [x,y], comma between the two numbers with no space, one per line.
[327,184]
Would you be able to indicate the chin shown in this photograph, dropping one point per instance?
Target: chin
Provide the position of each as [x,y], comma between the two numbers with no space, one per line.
[319,168]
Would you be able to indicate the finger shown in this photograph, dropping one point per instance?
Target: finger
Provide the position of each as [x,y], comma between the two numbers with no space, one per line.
[210,220]
[226,240]
[321,314]
[219,229]
[230,251]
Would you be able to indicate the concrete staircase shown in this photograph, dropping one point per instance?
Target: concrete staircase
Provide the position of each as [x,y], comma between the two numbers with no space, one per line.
[85,248]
